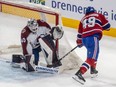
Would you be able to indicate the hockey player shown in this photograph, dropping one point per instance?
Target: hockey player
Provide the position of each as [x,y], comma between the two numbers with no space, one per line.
[30,35]
[89,34]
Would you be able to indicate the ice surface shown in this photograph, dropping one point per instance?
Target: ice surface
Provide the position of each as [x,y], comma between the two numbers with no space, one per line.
[13,77]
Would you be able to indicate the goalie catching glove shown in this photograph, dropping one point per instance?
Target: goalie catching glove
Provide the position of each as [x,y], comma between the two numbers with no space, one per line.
[57,32]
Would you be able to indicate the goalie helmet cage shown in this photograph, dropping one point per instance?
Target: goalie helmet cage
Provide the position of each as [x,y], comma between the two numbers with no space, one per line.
[52,16]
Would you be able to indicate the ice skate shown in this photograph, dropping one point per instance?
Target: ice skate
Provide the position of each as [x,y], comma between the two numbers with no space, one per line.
[79,78]
[55,65]
[94,72]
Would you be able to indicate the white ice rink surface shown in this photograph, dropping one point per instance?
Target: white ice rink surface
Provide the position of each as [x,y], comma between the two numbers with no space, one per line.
[10,27]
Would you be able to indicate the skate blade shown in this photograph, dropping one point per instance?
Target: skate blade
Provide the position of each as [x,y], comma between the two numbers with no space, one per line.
[94,75]
[78,80]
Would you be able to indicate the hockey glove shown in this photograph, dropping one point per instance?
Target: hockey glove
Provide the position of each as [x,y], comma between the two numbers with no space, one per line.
[79,43]
[57,32]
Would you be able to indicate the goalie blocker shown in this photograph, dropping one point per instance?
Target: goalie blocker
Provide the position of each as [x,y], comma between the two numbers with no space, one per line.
[16,58]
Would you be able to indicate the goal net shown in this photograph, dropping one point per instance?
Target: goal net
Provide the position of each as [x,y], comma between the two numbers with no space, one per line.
[27,10]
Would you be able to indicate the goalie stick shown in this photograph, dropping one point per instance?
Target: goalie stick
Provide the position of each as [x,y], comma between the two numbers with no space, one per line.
[4,60]
[46,69]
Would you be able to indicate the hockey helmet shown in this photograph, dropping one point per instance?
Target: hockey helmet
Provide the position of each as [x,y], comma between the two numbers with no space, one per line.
[32,24]
[90,10]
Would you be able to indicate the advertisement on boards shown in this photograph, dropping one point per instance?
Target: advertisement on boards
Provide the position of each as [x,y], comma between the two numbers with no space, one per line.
[75,9]
[37,1]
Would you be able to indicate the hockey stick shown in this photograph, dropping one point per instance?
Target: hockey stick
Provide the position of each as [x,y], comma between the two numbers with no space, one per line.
[66,54]
[4,60]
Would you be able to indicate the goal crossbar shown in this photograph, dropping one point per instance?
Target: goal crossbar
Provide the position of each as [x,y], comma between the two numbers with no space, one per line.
[33,7]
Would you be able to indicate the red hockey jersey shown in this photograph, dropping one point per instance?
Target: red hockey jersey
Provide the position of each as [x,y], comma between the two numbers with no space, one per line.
[91,24]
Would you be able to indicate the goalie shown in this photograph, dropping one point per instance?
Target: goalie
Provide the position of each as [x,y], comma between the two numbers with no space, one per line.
[31,36]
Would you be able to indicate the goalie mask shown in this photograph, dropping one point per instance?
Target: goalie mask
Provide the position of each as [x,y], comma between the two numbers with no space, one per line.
[33,25]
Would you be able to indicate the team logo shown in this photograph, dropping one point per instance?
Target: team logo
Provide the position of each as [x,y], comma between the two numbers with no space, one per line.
[38,1]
